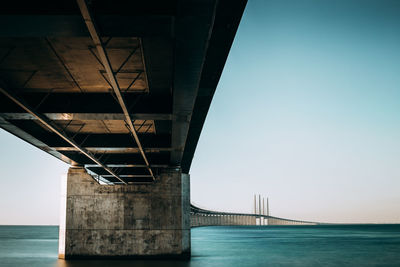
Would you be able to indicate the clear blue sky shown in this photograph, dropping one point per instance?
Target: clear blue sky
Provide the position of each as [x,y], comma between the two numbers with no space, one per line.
[307,112]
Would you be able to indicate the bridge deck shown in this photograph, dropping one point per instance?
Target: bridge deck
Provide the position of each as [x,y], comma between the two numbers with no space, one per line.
[203,217]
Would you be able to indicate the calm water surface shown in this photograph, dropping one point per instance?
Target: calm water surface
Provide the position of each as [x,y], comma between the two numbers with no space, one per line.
[335,245]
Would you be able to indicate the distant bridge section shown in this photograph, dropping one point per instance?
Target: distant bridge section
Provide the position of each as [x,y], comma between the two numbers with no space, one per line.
[203,217]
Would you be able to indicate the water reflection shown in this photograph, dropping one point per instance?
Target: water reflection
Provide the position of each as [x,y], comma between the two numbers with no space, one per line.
[122,263]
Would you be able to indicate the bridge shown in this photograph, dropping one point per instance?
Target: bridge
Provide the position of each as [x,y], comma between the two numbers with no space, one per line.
[261,216]
[120,91]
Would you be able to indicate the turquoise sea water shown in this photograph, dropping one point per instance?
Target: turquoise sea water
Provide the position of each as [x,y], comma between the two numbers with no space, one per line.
[327,245]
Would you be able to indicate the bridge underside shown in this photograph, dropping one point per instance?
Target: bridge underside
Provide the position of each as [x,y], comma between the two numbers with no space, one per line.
[121,89]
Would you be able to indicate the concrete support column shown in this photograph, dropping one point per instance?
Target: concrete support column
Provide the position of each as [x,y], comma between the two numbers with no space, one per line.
[143,220]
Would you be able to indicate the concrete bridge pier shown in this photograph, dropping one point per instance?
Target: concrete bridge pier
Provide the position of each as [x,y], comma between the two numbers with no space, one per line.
[139,220]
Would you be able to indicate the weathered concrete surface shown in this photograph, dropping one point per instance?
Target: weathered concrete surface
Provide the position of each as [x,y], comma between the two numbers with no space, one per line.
[126,220]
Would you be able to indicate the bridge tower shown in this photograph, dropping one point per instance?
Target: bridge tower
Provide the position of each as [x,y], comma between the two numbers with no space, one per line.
[267,211]
[255,204]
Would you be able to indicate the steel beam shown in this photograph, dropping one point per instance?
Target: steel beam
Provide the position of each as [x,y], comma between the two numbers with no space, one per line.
[113,81]
[39,25]
[129,165]
[130,176]
[45,121]
[87,116]
[90,103]
[155,158]
[115,150]
[93,140]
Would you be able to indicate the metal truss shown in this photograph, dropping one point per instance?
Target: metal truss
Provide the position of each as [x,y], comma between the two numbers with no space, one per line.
[111,76]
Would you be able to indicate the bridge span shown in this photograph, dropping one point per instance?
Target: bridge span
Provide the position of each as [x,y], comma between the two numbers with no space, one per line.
[119,90]
[203,217]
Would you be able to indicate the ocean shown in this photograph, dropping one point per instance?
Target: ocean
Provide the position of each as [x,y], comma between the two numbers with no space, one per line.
[223,246]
